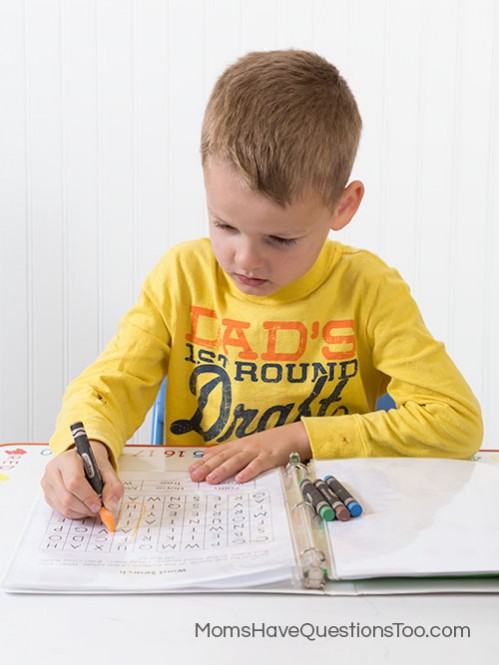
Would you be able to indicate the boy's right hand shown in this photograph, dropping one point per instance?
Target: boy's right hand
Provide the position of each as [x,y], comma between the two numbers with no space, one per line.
[68,491]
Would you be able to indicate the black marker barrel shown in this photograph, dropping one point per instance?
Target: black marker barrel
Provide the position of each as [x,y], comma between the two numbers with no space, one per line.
[334,501]
[352,504]
[314,497]
[85,451]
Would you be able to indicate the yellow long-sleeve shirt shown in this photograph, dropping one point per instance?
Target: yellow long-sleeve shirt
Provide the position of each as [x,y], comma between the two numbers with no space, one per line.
[322,350]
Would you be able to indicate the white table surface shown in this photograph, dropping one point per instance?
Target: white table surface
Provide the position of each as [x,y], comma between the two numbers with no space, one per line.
[108,629]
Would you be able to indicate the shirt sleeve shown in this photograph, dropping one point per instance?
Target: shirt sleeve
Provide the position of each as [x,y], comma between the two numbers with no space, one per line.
[437,414]
[113,395]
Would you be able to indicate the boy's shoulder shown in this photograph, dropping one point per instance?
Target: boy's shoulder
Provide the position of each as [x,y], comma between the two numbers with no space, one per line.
[360,260]
[184,267]
[368,273]
[199,248]
[186,256]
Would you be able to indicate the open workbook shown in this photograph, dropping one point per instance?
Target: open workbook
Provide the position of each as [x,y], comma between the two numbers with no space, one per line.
[423,520]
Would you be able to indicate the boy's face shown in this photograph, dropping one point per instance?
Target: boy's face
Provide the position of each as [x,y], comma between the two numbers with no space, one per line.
[261,246]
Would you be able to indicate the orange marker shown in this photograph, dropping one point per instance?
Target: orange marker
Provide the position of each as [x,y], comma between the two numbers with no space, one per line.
[107,518]
[91,471]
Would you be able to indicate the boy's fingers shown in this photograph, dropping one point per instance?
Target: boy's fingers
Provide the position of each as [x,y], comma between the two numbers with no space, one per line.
[230,467]
[68,491]
[225,469]
[60,498]
[113,488]
[66,504]
[76,484]
[256,466]
[202,466]
[231,459]
[208,455]
[200,470]
[244,466]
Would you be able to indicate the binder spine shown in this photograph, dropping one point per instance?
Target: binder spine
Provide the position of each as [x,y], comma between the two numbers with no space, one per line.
[307,529]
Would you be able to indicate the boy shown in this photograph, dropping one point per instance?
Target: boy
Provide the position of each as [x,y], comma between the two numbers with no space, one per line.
[274,338]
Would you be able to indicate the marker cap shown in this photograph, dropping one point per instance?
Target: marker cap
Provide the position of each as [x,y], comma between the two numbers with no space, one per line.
[342,513]
[327,513]
[354,508]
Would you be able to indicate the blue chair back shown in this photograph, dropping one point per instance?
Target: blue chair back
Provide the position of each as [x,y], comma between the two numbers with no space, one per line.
[385,403]
[158,417]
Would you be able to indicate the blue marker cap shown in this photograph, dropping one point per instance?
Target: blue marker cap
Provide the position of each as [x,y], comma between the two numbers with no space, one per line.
[354,508]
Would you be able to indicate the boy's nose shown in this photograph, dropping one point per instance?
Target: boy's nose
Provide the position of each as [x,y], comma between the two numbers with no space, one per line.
[248,257]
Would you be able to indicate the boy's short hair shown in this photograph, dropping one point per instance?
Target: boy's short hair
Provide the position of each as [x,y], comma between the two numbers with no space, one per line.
[287,121]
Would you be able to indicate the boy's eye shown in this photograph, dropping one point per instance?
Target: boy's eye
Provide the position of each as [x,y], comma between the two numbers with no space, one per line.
[275,240]
[283,241]
[222,226]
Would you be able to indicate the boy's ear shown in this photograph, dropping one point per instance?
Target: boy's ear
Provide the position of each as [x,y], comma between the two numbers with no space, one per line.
[348,205]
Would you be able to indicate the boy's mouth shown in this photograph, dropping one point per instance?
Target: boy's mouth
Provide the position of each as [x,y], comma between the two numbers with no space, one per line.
[250,281]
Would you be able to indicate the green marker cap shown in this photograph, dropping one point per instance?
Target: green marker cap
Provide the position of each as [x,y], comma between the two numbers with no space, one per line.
[327,513]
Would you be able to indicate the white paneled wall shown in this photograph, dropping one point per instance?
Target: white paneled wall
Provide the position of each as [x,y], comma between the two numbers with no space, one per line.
[100,115]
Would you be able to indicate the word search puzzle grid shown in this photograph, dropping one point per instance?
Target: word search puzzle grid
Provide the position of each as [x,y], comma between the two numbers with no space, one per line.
[173,515]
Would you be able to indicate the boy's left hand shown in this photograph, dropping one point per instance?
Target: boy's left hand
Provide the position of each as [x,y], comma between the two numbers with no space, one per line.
[246,458]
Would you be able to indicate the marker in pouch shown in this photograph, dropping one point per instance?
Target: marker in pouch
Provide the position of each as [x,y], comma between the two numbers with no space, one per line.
[314,497]
[335,502]
[352,504]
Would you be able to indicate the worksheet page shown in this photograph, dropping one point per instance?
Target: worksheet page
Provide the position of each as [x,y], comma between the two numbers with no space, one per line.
[171,533]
